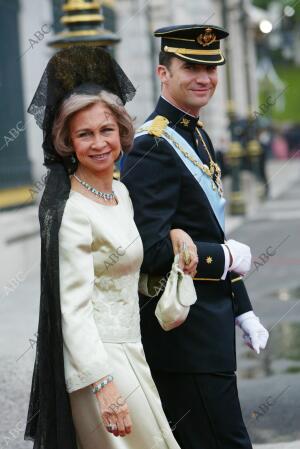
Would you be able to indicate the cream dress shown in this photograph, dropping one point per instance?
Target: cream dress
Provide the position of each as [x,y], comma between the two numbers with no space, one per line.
[100,254]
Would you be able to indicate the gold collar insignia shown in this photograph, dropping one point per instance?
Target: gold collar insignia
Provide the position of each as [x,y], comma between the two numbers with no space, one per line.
[185,121]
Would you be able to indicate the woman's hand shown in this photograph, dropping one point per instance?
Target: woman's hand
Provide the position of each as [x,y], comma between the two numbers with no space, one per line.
[114,410]
[181,239]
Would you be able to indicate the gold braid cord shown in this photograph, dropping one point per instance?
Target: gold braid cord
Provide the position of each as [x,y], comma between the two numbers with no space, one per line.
[157,129]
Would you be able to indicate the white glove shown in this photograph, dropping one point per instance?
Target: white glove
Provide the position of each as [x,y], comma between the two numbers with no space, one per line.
[241,257]
[255,335]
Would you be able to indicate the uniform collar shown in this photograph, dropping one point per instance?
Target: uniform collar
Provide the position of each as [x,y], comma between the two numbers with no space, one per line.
[176,117]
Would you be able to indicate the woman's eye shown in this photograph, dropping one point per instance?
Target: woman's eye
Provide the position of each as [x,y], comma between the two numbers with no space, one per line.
[107,129]
[84,134]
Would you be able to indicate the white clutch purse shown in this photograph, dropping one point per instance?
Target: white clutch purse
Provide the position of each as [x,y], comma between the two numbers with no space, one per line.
[179,294]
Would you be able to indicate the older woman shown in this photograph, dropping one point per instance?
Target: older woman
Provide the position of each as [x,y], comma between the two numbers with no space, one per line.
[108,382]
[100,254]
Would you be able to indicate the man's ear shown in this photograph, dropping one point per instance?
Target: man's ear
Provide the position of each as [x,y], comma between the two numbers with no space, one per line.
[163,73]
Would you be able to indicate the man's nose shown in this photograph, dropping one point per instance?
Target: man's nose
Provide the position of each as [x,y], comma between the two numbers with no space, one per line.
[202,77]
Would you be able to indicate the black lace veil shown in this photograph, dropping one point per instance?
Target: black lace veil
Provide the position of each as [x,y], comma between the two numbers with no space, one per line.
[76,69]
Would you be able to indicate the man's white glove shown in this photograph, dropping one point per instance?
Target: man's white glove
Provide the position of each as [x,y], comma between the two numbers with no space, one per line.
[255,335]
[241,257]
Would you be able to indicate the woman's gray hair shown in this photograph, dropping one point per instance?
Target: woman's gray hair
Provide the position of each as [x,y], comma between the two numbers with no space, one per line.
[76,102]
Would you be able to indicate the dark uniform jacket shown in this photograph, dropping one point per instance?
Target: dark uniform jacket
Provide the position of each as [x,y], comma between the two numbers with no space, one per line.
[165,195]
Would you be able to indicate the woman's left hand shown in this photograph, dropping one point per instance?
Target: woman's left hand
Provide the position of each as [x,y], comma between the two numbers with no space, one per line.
[114,410]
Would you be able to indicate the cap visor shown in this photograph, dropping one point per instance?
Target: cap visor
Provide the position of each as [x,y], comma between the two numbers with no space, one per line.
[207,60]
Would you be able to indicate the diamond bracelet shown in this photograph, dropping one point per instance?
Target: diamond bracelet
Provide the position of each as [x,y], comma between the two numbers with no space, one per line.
[102,384]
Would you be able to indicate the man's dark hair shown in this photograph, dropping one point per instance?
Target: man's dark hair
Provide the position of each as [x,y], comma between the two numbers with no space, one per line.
[165,59]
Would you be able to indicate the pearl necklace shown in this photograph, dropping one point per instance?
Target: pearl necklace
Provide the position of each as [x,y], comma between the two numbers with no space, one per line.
[103,195]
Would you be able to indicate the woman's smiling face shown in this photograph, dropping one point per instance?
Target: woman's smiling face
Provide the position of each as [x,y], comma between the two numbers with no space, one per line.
[95,137]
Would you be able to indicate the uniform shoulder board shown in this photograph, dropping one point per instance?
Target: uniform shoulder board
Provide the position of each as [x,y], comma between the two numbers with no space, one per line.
[159,123]
[200,124]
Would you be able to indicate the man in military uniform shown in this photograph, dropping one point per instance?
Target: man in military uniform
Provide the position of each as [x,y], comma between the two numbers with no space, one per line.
[175,184]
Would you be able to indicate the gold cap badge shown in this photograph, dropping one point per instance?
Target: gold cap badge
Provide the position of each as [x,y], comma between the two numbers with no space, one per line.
[206,38]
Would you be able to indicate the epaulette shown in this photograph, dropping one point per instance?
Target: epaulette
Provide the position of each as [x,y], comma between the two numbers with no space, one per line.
[158,125]
[200,124]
